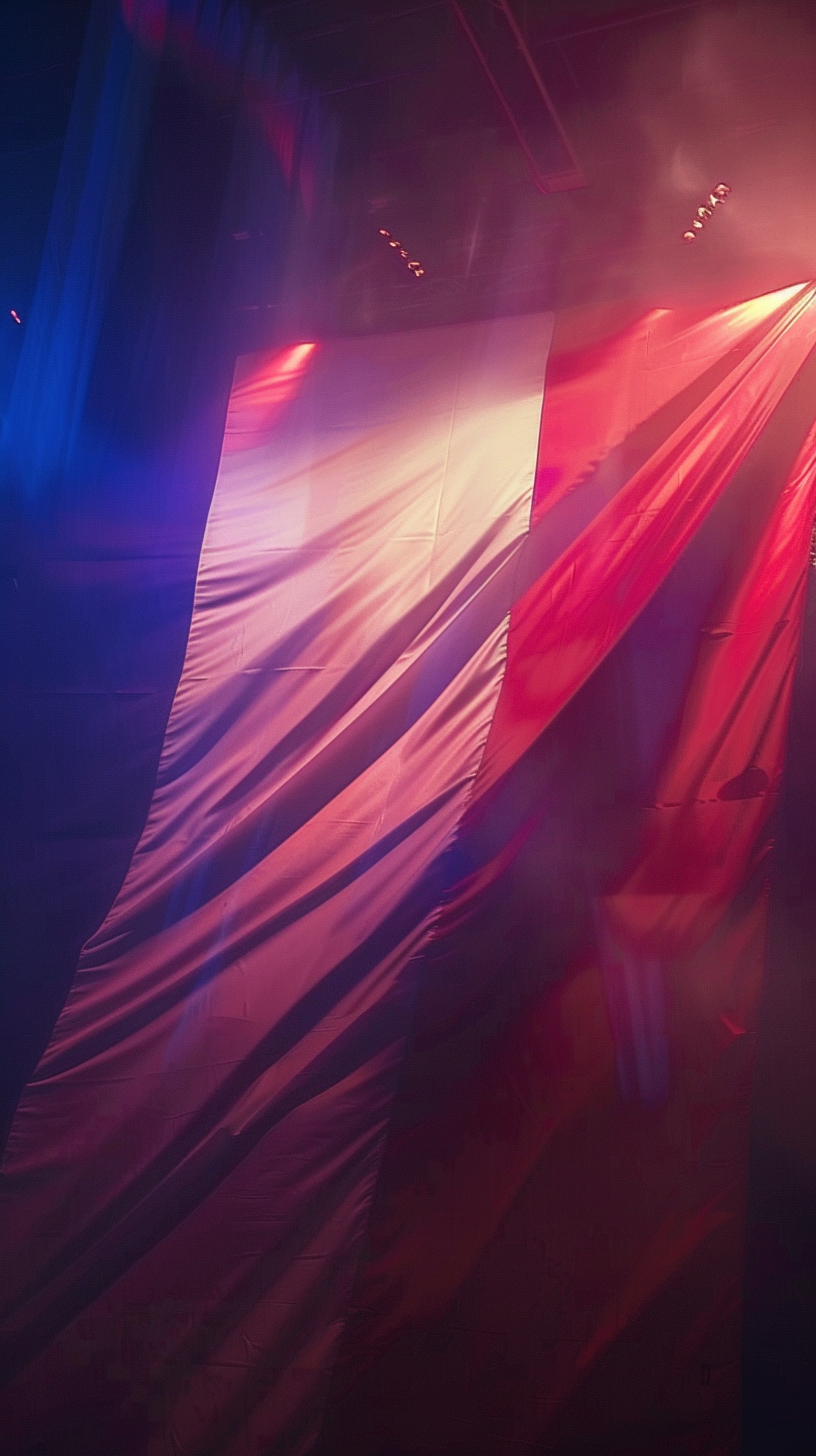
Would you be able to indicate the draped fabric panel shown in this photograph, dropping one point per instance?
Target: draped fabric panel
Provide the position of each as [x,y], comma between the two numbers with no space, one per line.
[111,443]
[190,1168]
[582,603]
[554,1256]
[400,1101]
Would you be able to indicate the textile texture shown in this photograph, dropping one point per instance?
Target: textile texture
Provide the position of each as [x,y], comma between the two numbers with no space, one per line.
[212,1103]
[400,1102]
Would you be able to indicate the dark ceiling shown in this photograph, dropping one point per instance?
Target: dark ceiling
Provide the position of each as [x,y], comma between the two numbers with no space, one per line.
[659,101]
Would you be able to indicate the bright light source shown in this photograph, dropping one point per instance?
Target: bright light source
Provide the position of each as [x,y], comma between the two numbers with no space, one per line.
[706,209]
[395,243]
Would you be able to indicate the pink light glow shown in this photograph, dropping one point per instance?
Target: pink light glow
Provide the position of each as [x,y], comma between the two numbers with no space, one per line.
[257,401]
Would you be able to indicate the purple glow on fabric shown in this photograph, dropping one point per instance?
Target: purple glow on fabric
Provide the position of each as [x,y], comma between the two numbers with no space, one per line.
[386,704]
[218,1084]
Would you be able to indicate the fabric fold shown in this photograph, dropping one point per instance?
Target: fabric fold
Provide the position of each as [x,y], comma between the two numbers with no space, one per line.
[555,1246]
[197,1147]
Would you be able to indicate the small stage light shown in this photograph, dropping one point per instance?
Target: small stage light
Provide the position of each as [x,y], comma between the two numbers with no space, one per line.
[417,270]
[706,210]
[15,315]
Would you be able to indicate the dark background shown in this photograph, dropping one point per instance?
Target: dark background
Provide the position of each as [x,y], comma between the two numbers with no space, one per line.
[217,255]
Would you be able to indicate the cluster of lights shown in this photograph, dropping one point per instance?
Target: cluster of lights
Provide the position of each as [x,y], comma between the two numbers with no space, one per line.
[415,267]
[706,210]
